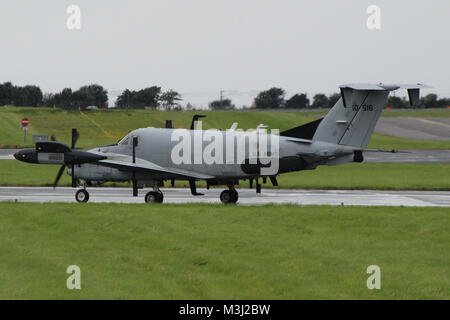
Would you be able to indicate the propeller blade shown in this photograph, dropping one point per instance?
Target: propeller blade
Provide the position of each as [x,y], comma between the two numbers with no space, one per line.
[75,136]
[58,175]
[74,180]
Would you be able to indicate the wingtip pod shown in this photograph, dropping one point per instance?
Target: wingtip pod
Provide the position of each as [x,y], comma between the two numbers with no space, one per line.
[413,90]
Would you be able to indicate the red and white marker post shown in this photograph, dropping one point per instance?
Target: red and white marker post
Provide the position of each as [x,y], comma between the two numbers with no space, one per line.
[25,122]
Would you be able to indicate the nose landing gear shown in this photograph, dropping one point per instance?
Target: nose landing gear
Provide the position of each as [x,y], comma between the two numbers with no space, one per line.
[82,195]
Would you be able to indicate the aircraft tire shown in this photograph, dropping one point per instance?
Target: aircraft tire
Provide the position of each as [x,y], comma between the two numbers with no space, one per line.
[154,197]
[82,196]
[229,196]
[235,196]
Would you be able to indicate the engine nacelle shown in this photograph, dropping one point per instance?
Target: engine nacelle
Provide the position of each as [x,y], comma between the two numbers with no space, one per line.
[95,172]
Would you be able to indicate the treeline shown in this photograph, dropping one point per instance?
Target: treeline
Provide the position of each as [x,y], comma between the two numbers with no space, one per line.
[91,95]
[429,101]
[274,99]
[30,95]
[20,96]
[153,97]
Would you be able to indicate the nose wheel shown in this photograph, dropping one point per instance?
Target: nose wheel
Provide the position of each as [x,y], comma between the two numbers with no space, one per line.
[229,196]
[82,195]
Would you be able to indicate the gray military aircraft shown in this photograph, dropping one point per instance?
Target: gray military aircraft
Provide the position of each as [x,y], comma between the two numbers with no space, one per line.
[146,156]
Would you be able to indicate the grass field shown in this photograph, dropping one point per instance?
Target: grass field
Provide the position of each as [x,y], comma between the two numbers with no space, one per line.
[385,176]
[222,252]
[105,127]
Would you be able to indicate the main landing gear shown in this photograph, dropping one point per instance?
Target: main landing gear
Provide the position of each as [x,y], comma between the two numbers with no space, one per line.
[154,197]
[229,196]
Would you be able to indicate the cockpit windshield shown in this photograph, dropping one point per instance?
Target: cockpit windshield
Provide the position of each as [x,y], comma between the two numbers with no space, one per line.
[125,140]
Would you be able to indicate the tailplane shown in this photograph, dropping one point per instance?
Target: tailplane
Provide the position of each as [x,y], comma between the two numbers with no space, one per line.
[352,119]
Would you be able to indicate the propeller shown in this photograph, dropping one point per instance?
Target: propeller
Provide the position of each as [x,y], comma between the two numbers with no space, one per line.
[75,136]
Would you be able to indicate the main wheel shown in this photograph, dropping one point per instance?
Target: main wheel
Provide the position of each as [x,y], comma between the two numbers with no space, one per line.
[235,196]
[82,196]
[154,197]
[229,196]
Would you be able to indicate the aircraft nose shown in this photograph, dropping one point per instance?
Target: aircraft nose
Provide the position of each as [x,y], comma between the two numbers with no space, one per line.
[26,155]
[17,155]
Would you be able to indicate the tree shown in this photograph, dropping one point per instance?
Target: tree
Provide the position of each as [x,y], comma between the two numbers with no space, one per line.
[65,98]
[6,93]
[429,101]
[91,95]
[396,102]
[147,97]
[333,99]
[270,99]
[169,99]
[224,104]
[27,96]
[443,103]
[298,101]
[124,100]
[320,100]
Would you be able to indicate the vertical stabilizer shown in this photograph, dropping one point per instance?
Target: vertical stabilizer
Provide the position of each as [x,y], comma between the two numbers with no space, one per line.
[353,118]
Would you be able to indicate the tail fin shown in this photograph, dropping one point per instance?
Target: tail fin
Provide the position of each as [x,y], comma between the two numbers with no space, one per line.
[352,119]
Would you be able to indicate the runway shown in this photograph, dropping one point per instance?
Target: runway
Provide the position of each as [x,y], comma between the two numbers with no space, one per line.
[409,156]
[246,196]
[437,129]
[7,154]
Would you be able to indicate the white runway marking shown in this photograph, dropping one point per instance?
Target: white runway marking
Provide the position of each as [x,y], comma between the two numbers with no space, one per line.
[246,196]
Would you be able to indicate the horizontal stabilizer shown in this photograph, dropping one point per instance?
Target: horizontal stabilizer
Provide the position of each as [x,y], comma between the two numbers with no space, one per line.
[347,90]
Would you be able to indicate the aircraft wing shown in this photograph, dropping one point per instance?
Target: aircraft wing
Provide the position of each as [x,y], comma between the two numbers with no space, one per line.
[125,163]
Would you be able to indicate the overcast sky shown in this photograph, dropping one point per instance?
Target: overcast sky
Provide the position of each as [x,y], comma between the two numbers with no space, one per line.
[203,46]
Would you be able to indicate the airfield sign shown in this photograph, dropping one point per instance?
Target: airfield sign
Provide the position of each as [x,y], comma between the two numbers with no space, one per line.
[25,122]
